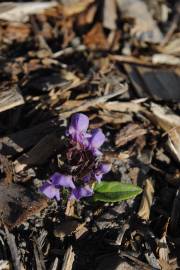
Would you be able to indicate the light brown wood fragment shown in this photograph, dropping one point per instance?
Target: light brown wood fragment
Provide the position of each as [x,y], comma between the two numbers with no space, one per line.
[68,259]
[10,97]
[109,14]
[147,199]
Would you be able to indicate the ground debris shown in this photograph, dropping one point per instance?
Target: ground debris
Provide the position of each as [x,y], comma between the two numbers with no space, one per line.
[117,62]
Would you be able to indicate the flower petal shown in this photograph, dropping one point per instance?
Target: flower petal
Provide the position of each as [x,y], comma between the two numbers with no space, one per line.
[105,167]
[50,191]
[81,192]
[102,169]
[79,123]
[59,179]
[97,139]
[98,176]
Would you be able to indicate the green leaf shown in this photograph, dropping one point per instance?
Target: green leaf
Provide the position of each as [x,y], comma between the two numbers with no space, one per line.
[115,191]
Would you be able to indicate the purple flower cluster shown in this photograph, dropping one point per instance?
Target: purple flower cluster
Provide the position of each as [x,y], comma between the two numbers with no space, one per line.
[83,165]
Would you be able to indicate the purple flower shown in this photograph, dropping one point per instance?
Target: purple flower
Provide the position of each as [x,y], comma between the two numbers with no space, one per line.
[62,180]
[78,127]
[81,192]
[50,191]
[57,180]
[96,140]
[102,169]
[87,178]
[82,150]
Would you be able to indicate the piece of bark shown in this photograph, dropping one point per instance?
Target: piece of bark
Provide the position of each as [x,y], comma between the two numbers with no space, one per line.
[163,249]
[159,84]
[145,28]
[109,14]
[20,12]
[129,133]
[10,97]
[147,199]
[95,101]
[121,106]
[21,140]
[68,259]
[13,249]
[115,118]
[73,7]
[95,39]
[175,214]
[112,216]
[165,59]
[40,153]
[55,264]
[66,228]
[170,123]
[18,203]
[114,262]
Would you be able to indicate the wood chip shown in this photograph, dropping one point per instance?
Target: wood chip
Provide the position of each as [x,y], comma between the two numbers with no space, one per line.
[21,140]
[145,28]
[40,153]
[121,106]
[96,101]
[157,83]
[95,39]
[13,249]
[109,14]
[19,12]
[10,97]
[129,133]
[147,199]
[68,259]
[170,123]
[18,203]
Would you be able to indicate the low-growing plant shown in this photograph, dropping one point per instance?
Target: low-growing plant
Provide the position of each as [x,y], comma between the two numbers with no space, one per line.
[83,169]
